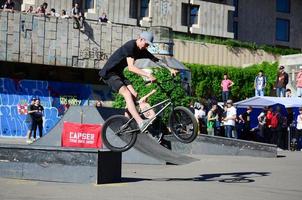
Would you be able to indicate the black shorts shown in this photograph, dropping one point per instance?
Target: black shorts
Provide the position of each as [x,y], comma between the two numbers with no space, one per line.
[116,81]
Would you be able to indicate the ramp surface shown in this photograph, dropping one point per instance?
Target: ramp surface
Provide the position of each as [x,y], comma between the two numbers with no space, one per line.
[145,151]
[214,145]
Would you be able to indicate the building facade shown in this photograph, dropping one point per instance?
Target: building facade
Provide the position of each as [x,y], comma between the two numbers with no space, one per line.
[195,16]
[272,22]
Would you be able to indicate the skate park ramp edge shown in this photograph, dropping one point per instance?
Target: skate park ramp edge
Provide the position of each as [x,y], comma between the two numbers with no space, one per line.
[145,151]
[215,145]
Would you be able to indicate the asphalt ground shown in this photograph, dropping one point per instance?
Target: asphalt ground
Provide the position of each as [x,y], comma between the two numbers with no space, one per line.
[212,177]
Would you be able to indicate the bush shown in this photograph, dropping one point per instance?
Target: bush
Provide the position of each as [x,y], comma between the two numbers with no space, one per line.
[178,95]
[206,79]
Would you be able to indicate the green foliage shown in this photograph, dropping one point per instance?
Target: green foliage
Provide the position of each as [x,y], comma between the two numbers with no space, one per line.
[163,76]
[231,43]
[206,79]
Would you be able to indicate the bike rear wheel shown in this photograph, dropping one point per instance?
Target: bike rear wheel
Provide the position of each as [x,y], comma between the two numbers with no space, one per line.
[183,124]
[119,133]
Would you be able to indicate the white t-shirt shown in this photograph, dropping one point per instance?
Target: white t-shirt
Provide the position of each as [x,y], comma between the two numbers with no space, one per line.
[199,113]
[260,81]
[230,112]
[299,122]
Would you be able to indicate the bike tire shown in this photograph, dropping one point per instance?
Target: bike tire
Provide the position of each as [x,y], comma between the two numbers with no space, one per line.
[114,138]
[183,124]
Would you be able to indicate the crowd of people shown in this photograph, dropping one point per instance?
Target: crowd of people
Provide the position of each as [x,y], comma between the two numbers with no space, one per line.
[272,125]
[76,13]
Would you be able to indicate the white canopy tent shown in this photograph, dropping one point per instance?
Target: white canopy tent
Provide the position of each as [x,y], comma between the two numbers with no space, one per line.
[260,102]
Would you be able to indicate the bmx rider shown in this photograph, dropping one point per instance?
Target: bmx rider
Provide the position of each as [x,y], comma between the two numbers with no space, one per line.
[112,72]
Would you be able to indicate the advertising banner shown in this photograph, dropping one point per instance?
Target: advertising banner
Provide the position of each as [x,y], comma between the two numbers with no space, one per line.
[81,135]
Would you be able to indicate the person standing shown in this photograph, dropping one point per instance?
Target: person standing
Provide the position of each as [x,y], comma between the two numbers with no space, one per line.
[281,82]
[226,84]
[245,120]
[260,84]
[229,120]
[29,121]
[298,135]
[37,117]
[262,123]
[299,82]
[200,116]
[212,119]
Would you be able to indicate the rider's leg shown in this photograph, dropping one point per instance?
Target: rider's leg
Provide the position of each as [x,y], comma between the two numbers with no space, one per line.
[132,90]
[124,91]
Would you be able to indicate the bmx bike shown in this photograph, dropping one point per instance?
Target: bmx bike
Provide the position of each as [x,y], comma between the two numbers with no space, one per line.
[181,123]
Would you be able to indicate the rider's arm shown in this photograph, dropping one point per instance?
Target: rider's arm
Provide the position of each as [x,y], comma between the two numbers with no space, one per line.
[136,70]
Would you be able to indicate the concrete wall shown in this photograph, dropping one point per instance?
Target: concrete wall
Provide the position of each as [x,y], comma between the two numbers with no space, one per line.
[52,41]
[258,23]
[214,54]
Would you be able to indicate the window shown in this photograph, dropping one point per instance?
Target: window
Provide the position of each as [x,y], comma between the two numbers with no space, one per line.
[89,4]
[144,8]
[194,15]
[189,14]
[235,30]
[139,8]
[283,6]
[282,30]
[235,4]
[133,9]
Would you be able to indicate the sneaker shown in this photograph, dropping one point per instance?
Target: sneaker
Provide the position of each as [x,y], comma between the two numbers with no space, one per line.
[144,124]
[29,141]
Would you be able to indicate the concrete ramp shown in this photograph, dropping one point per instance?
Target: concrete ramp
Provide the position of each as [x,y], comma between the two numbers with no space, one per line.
[214,145]
[145,151]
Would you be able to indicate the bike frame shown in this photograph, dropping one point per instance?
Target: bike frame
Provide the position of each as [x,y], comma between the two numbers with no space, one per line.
[167,103]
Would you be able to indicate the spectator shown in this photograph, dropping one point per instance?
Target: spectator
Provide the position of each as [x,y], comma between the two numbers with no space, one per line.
[299,82]
[98,104]
[281,82]
[103,18]
[78,17]
[64,15]
[29,121]
[212,119]
[262,122]
[226,84]
[245,121]
[229,120]
[191,107]
[260,84]
[268,127]
[37,117]
[9,6]
[200,115]
[276,127]
[298,136]
[288,93]
[42,9]
[53,13]
[29,10]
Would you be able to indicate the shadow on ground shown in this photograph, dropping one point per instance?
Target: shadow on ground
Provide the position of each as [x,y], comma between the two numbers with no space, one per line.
[234,177]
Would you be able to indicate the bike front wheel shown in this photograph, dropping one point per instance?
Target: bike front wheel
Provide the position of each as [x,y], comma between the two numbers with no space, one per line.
[119,133]
[183,124]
